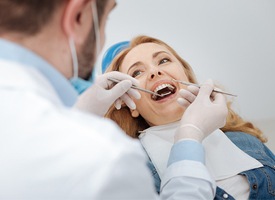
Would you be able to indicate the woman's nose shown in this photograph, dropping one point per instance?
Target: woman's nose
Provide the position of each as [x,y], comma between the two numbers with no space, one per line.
[154,73]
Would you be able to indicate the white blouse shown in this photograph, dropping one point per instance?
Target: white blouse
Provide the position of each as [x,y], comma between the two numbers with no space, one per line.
[223,158]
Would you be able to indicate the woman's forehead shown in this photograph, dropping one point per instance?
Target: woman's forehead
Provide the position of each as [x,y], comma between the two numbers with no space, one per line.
[147,47]
[144,51]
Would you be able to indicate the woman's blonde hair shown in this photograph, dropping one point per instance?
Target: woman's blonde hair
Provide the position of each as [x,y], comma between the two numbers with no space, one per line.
[132,126]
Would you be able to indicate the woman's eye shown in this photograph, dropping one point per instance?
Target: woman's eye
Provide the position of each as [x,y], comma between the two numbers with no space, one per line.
[164,60]
[136,73]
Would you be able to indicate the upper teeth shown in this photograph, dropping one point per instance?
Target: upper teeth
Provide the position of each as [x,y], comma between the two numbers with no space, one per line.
[160,87]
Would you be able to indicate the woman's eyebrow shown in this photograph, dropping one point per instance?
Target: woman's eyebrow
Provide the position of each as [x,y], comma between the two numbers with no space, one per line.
[159,52]
[133,65]
[154,56]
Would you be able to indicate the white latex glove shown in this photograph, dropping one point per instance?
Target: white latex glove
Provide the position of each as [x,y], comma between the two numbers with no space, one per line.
[188,96]
[103,93]
[205,114]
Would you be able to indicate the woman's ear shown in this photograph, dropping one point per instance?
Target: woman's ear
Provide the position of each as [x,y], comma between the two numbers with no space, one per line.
[134,113]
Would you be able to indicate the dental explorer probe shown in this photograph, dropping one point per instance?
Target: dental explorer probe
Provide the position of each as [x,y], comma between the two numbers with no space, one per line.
[135,87]
[187,83]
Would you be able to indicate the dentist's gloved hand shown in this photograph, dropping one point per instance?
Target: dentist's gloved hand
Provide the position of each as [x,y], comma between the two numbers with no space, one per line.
[103,93]
[188,95]
[205,114]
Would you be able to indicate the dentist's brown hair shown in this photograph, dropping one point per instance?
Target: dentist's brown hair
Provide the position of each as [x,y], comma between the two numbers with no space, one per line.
[30,16]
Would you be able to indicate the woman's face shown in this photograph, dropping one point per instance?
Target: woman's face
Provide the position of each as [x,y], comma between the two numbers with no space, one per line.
[155,67]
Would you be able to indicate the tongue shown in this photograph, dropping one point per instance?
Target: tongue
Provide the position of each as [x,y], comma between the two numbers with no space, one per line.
[165,92]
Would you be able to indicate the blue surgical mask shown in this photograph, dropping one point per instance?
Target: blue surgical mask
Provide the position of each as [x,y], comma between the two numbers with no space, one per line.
[80,84]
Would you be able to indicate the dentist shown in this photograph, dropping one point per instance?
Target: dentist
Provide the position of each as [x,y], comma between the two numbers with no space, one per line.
[49,148]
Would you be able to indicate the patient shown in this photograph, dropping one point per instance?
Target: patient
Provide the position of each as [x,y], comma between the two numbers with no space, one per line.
[236,157]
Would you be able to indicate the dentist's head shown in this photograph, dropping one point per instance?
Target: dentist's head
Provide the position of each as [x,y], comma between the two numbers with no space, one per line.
[68,34]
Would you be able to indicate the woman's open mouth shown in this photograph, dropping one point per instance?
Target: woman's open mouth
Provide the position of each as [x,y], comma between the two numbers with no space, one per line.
[165,90]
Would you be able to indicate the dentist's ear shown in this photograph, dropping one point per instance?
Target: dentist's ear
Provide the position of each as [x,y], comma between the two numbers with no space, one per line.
[77,20]
[134,113]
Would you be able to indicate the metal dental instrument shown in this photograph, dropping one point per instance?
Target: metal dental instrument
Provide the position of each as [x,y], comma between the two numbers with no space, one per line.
[187,83]
[135,87]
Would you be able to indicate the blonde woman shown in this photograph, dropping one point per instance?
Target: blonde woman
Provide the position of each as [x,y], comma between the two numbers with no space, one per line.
[242,166]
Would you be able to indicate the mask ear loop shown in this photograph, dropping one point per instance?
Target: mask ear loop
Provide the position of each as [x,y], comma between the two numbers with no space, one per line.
[74,58]
[97,34]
